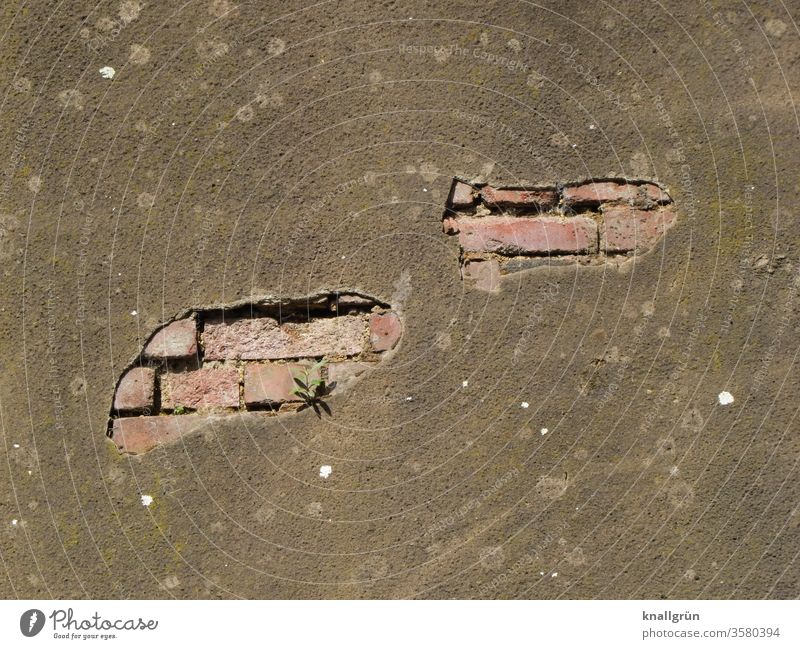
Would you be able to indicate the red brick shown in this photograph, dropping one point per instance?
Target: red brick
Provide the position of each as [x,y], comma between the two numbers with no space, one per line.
[385,330]
[519,236]
[136,435]
[136,391]
[207,387]
[626,228]
[593,194]
[462,195]
[533,199]
[177,340]
[272,383]
[449,225]
[264,339]
[485,273]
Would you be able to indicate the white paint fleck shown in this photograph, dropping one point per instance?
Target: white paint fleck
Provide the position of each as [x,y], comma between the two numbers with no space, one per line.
[147,500]
[591,127]
[541,573]
[544,431]
[107,72]
[14,521]
[409,398]
[325,470]
[555,574]
[524,404]
[15,445]
[725,398]
[464,384]
[134,312]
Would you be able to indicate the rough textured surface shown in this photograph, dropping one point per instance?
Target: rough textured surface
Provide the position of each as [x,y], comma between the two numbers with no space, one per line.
[543,234]
[252,151]
[272,384]
[462,195]
[263,338]
[207,387]
[178,340]
[136,390]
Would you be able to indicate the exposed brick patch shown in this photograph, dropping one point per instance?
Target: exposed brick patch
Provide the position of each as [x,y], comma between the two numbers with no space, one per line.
[629,229]
[219,361]
[206,388]
[461,195]
[538,235]
[385,331]
[484,273]
[137,435]
[538,200]
[177,340]
[596,193]
[136,391]
[589,223]
[272,383]
[265,339]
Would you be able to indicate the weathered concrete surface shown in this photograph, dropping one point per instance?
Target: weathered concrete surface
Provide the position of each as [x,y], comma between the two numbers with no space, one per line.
[285,149]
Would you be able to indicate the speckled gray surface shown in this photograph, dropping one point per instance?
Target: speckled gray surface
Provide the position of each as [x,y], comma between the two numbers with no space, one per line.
[288,148]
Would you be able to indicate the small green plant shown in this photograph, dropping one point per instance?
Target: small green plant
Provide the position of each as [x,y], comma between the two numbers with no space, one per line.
[179,410]
[310,386]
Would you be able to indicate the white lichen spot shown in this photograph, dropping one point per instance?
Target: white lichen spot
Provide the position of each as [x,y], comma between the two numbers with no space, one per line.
[145,200]
[725,398]
[524,404]
[129,10]
[775,27]
[139,54]
[35,183]
[325,470]
[107,72]
[464,384]
[134,312]
[15,445]
[544,431]
[245,113]
[276,46]
[71,98]
[219,8]
[555,574]
[14,521]
[146,500]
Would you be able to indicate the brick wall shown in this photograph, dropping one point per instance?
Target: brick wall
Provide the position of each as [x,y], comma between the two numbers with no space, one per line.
[505,230]
[246,358]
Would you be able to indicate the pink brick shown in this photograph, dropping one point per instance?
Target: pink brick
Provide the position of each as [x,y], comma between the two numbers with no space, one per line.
[207,387]
[177,340]
[539,235]
[626,228]
[272,383]
[593,194]
[449,225]
[485,273]
[136,435]
[264,339]
[534,199]
[136,390]
[462,195]
[385,330]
